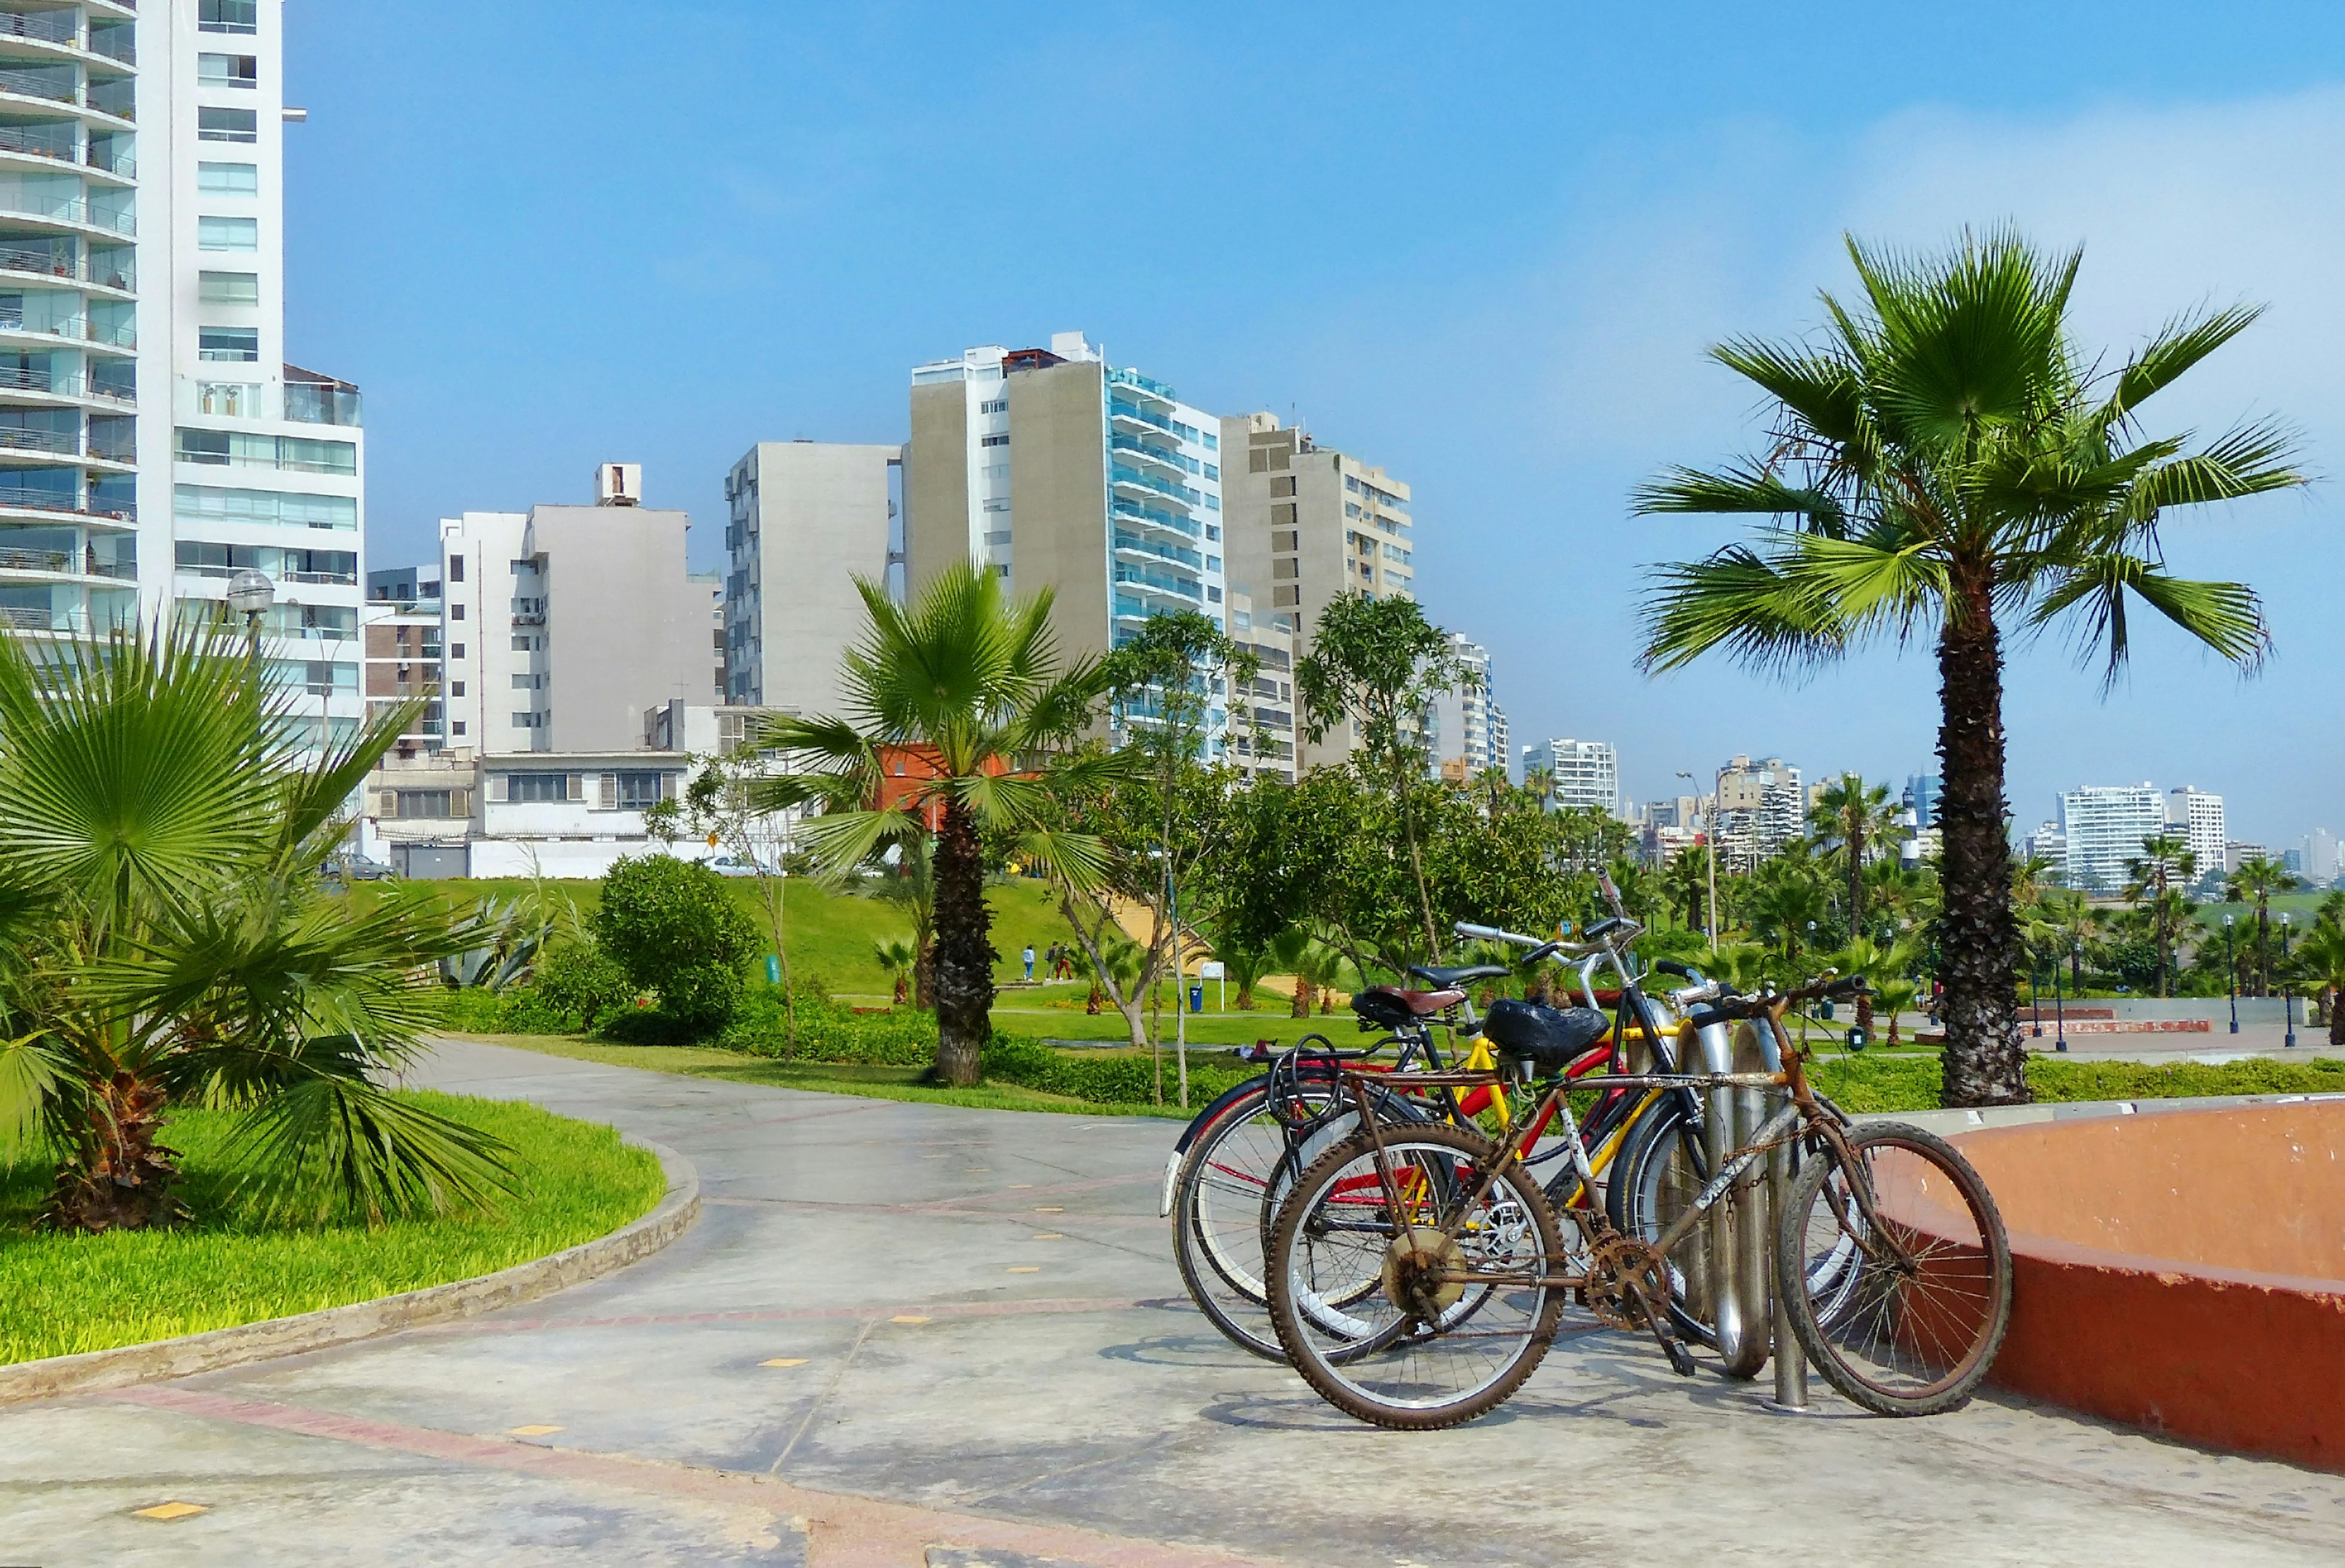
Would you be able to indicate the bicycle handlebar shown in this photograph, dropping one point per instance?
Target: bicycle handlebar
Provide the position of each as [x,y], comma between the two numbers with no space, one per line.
[1494,933]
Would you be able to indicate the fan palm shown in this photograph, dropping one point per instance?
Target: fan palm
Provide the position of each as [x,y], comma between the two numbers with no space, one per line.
[2150,878]
[1857,815]
[2256,880]
[2318,965]
[973,686]
[165,938]
[897,959]
[1945,463]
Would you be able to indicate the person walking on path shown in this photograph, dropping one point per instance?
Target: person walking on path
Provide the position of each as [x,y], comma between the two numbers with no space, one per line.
[1029,963]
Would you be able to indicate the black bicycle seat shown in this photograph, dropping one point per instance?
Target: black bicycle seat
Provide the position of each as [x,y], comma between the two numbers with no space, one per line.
[1442,979]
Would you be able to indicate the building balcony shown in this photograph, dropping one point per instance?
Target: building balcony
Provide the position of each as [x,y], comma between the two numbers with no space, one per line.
[65,213]
[1133,479]
[1131,413]
[36,383]
[52,86]
[1132,511]
[50,267]
[1141,385]
[1132,545]
[65,503]
[1160,585]
[1132,446]
[75,330]
[84,562]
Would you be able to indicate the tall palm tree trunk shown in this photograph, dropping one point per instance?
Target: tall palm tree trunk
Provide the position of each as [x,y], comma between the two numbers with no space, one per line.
[120,1177]
[1978,940]
[964,949]
[1856,909]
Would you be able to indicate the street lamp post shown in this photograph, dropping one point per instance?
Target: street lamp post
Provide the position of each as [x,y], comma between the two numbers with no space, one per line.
[2231,973]
[1709,864]
[2287,984]
[250,593]
[2059,1011]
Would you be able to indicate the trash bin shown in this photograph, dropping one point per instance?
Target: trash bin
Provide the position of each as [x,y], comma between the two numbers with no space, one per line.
[772,968]
[1197,996]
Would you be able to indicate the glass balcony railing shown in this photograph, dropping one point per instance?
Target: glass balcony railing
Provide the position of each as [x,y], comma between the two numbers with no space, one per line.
[321,402]
[1121,474]
[59,383]
[67,209]
[1124,508]
[1160,582]
[46,26]
[1189,558]
[21,498]
[1165,455]
[1134,379]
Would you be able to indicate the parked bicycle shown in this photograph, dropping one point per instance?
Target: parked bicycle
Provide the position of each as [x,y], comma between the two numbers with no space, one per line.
[1417,1273]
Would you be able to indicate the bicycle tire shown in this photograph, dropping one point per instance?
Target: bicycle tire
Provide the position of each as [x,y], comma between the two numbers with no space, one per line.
[1223,1280]
[1898,1339]
[1365,1376]
[1644,1191]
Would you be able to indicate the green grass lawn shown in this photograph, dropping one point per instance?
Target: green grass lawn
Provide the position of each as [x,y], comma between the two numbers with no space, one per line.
[68,1294]
[826,1077]
[830,934]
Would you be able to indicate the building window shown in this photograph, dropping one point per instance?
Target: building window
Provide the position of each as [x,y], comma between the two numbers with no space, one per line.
[227,15]
[638,789]
[241,344]
[228,234]
[455,612]
[521,645]
[227,125]
[421,803]
[229,288]
[208,504]
[993,441]
[529,789]
[998,406]
[525,682]
[227,71]
[229,178]
[456,689]
[229,399]
[455,569]
[455,650]
[456,728]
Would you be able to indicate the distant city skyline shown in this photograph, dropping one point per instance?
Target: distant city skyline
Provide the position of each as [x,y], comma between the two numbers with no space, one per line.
[1519,336]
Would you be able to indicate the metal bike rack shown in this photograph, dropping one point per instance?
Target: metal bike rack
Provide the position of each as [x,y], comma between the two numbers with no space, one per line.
[1750,1319]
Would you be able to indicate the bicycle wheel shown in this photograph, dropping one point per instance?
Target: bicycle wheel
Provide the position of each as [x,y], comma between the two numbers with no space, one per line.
[1225,1180]
[1903,1311]
[1416,1347]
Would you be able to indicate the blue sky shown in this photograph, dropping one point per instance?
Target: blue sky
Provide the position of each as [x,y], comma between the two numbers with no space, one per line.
[1485,251]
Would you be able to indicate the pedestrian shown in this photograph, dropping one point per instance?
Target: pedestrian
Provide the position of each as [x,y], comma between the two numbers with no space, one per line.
[1029,963]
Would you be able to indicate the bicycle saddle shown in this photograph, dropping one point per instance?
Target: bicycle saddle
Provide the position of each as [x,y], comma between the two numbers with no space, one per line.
[1553,1038]
[1450,980]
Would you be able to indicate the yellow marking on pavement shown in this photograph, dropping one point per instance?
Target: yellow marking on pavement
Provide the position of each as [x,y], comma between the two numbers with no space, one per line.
[168,1512]
[1050,1211]
[1020,1185]
[936,1157]
[908,1317]
[1025,1269]
[1047,1236]
[784,1361]
[531,1430]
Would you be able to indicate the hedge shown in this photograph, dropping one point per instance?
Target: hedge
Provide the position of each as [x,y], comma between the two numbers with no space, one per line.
[1098,1077]
[1912,1083]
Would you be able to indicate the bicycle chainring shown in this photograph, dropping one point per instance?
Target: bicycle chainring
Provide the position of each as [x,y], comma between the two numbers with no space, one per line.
[1625,1277]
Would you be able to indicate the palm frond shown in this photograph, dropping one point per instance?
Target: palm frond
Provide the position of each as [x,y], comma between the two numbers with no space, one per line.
[1741,602]
[1741,488]
[2225,616]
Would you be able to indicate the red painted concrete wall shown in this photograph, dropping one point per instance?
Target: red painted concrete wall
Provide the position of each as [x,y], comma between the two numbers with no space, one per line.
[2183,1271]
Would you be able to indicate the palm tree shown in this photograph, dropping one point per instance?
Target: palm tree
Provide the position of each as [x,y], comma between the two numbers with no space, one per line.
[1945,462]
[2257,879]
[2081,930]
[903,876]
[1539,784]
[166,940]
[2317,966]
[1896,996]
[1878,961]
[1687,880]
[2165,859]
[972,686]
[897,959]
[1857,815]
[1782,909]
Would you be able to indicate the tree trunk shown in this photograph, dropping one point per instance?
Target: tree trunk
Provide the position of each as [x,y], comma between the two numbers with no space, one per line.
[1245,994]
[964,950]
[2263,947]
[924,976]
[2337,1017]
[119,1178]
[1856,875]
[1978,940]
[1301,1007]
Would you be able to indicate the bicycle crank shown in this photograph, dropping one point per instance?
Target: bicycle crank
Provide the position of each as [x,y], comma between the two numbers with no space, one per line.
[1419,1271]
[1627,1282]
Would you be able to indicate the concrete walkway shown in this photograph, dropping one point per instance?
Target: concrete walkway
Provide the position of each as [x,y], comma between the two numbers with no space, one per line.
[911,1333]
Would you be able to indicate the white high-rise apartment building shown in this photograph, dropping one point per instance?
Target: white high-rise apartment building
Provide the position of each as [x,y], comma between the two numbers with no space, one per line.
[1584,774]
[2104,826]
[2195,814]
[1468,732]
[153,438]
[808,519]
[2320,850]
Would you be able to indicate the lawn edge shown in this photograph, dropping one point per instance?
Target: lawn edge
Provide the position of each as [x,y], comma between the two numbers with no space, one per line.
[187,1354]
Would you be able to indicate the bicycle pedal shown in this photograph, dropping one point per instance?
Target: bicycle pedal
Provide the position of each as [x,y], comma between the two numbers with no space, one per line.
[1680,1358]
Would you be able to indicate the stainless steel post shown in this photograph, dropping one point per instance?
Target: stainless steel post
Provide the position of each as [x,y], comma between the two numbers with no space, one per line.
[1791,1361]
[1731,1230]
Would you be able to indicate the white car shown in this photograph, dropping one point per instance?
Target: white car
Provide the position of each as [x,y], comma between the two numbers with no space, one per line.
[735,865]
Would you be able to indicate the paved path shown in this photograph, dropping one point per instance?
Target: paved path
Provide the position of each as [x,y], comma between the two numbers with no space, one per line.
[911,1333]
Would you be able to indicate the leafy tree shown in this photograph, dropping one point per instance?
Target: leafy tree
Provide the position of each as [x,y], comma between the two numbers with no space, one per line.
[579,982]
[1380,663]
[2317,966]
[974,686]
[1944,461]
[166,939]
[1857,817]
[673,927]
[2154,881]
[1687,879]
[2256,880]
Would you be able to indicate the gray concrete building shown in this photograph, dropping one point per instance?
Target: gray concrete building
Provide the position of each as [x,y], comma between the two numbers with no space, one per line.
[564,625]
[808,519]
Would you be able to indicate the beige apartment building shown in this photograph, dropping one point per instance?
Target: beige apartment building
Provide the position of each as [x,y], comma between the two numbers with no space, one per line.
[1306,524]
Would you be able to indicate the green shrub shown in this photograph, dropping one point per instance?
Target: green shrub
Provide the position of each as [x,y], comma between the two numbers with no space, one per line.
[1096,1076]
[674,928]
[1910,1083]
[830,1031]
[577,982]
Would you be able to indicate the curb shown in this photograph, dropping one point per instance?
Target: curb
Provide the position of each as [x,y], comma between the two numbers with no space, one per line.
[1946,1122]
[208,1352]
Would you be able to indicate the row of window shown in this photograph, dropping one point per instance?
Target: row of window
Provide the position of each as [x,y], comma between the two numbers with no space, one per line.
[228,233]
[210,503]
[227,71]
[228,16]
[229,178]
[227,125]
[625,789]
[298,454]
[298,565]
